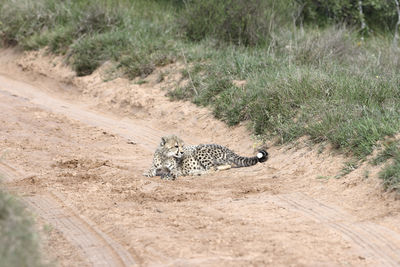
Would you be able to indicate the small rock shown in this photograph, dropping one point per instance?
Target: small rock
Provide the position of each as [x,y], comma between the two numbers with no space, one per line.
[131,142]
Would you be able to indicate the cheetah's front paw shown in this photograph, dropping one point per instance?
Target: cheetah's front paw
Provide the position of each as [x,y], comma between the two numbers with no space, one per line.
[147,174]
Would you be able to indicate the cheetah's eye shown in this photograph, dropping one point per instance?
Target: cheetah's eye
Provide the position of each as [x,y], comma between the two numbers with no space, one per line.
[176,146]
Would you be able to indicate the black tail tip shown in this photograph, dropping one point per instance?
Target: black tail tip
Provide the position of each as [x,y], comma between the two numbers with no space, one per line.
[262,156]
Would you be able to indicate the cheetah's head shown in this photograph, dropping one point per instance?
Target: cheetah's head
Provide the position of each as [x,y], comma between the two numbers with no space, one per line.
[172,146]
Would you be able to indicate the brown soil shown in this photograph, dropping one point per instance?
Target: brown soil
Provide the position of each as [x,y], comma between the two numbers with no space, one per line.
[75,150]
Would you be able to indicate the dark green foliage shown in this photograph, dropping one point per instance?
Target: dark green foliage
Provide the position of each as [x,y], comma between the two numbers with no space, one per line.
[60,39]
[329,96]
[97,19]
[90,52]
[87,55]
[18,22]
[247,22]
[378,14]
[92,32]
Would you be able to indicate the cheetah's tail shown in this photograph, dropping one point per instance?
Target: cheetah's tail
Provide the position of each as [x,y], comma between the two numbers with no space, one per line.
[261,156]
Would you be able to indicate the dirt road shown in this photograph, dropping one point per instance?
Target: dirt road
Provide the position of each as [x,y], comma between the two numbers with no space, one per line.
[75,149]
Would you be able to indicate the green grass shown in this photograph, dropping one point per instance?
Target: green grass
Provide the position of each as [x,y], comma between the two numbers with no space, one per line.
[136,34]
[18,239]
[390,175]
[348,167]
[391,150]
[241,22]
[301,80]
[344,98]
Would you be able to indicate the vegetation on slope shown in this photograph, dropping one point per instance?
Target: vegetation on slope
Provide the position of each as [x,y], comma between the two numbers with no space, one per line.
[18,241]
[325,69]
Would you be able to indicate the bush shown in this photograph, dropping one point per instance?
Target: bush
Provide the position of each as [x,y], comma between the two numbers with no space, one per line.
[247,22]
[335,43]
[378,14]
[18,241]
[97,19]
[390,175]
[90,52]
[18,22]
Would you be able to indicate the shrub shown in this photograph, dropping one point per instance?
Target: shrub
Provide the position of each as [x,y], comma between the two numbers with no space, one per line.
[18,241]
[390,175]
[378,14]
[97,19]
[17,20]
[247,22]
[335,43]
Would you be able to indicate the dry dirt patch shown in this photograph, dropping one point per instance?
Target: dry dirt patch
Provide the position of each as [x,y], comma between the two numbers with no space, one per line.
[87,142]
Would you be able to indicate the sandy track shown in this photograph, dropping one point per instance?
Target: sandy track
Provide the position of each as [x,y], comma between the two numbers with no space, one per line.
[372,240]
[147,137]
[73,159]
[97,248]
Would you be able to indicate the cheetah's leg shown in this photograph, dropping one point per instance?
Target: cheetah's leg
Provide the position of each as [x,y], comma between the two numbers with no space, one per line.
[214,169]
[223,167]
[151,172]
[219,168]
[168,176]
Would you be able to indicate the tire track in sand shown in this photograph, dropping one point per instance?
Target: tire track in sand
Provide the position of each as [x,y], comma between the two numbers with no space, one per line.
[375,242]
[132,130]
[141,134]
[98,248]
[372,240]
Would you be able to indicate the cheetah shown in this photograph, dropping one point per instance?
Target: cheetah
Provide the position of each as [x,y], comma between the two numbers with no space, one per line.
[173,159]
[167,158]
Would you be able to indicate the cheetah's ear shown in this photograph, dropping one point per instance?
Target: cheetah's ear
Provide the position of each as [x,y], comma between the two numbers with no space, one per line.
[163,141]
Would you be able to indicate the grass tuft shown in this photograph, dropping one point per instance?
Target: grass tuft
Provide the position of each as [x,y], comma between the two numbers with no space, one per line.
[391,150]
[242,22]
[18,240]
[390,175]
[348,167]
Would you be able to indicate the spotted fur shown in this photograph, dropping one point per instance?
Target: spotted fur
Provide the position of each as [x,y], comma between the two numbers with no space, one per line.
[201,159]
[173,159]
[166,158]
